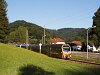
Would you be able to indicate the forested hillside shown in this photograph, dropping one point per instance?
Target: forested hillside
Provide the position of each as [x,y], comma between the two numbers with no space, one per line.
[18,32]
[36,32]
[71,34]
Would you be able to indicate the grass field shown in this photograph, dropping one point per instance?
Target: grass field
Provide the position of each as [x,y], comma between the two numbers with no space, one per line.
[18,61]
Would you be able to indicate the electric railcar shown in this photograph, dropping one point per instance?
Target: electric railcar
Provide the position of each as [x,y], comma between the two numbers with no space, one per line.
[53,50]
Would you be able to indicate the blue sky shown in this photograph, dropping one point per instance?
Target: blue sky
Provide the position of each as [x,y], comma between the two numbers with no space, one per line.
[54,14]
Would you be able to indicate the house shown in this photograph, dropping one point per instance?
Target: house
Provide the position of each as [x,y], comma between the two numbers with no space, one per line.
[91,47]
[78,45]
[57,41]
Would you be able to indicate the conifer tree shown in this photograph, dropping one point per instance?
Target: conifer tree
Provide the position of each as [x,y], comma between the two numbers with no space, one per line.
[96,22]
[3,21]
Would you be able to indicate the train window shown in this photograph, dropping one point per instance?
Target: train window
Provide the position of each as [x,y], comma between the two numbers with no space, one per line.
[66,49]
[56,49]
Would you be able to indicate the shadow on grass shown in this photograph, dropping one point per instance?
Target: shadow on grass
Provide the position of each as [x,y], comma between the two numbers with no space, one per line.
[86,71]
[33,70]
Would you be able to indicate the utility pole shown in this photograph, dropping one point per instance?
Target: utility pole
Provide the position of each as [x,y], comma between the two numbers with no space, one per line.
[26,39]
[87,43]
[42,39]
[88,40]
[44,34]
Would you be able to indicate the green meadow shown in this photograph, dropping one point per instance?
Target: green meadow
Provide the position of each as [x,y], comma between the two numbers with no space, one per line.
[19,61]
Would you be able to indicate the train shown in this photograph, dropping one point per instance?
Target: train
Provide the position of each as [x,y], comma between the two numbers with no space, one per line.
[62,51]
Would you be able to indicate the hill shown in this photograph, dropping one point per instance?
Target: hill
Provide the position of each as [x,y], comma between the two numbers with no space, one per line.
[36,32]
[33,28]
[19,61]
[14,25]
[72,33]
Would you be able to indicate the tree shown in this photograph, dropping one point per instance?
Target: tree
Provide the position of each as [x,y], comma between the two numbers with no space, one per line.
[22,34]
[19,35]
[3,21]
[96,22]
[13,37]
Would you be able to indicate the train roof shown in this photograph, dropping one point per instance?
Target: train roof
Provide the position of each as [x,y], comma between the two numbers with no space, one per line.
[41,45]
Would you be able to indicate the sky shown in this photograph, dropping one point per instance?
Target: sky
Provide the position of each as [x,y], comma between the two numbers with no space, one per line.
[54,14]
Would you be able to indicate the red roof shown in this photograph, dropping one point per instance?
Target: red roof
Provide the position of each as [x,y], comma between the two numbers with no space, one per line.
[77,42]
[55,40]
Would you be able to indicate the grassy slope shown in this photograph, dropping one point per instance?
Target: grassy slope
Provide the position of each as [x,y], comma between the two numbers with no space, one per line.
[17,61]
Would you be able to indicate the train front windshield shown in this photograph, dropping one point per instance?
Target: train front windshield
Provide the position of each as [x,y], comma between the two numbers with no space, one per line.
[66,49]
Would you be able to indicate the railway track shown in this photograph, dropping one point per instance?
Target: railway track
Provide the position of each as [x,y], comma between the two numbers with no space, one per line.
[82,61]
[81,58]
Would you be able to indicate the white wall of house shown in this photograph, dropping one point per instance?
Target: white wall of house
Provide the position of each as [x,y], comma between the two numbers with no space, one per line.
[60,43]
